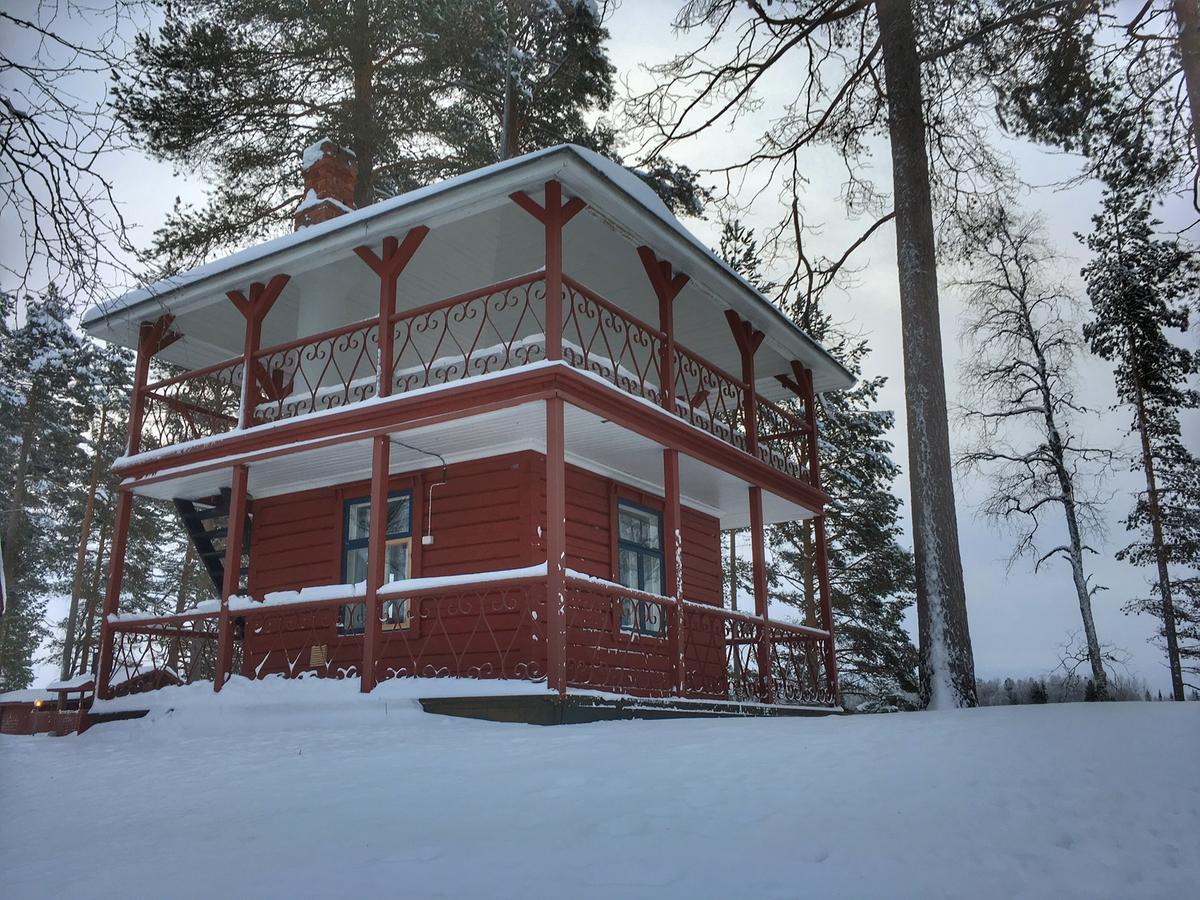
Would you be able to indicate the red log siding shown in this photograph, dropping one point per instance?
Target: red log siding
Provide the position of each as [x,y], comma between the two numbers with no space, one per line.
[488,515]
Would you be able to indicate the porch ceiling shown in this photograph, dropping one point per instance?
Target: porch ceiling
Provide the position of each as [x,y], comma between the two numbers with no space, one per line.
[478,237]
[592,443]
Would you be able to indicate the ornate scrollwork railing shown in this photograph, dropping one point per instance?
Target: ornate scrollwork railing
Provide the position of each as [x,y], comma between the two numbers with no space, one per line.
[191,405]
[473,334]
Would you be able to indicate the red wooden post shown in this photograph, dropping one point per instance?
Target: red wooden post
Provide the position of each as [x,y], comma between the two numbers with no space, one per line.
[748,341]
[667,284]
[396,256]
[553,216]
[376,559]
[758,562]
[556,548]
[152,338]
[254,308]
[112,592]
[234,538]
[673,559]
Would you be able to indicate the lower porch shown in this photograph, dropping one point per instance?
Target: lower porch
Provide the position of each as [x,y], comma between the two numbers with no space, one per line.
[489,627]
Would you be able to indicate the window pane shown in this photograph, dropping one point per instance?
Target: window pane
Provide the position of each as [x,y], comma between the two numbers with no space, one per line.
[651,574]
[356,565]
[638,526]
[358,520]
[396,567]
[628,611]
[394,614]
[399,515]
[628,575]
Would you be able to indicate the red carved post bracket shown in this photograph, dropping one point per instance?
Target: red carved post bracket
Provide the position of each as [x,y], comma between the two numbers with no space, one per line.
[254,309]
[553,216]
[667,284]
[396,256]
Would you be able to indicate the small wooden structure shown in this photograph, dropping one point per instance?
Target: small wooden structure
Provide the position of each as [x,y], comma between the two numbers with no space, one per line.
[58,709]
[493,428]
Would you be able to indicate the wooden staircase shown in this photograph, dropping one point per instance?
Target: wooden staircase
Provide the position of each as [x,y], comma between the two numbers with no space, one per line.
[207,524]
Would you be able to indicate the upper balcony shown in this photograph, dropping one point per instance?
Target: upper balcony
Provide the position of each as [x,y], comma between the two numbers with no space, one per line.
[621,263]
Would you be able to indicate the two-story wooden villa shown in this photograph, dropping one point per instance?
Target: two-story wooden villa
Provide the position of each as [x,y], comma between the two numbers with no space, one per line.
[492,428]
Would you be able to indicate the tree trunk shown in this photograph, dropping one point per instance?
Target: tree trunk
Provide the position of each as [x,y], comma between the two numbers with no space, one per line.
[180,604]
[84,663]
[1188,21]
[947,663]
[1159,545]
[13,522]
[85,533]
[362,113]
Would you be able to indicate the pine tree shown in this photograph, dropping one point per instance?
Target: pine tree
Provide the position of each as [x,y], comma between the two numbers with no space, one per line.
[1140,288]
[418,90]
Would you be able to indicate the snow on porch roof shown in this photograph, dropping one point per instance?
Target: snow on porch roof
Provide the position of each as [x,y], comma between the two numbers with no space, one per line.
[636,208]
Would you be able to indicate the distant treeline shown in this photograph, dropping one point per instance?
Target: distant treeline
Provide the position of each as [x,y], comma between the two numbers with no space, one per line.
[1062,689]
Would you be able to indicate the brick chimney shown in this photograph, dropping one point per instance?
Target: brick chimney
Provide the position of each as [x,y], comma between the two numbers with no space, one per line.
[329,176]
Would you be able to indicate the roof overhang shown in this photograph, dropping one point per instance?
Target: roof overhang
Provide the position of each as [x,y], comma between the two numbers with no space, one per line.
[611,192]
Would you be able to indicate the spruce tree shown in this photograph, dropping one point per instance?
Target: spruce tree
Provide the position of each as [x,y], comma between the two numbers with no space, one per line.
[40,419]
[1140,288]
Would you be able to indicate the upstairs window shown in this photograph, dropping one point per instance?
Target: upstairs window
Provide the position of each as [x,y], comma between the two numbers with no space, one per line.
[640,566]
[355,547]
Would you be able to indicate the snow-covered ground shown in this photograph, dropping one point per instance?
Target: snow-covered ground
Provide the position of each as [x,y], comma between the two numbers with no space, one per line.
[312,790]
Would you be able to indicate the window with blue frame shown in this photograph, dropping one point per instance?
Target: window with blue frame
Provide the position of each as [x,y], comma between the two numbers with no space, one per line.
[356,531]
[640,566]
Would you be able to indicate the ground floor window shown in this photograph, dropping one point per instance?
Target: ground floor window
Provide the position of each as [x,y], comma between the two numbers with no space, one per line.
[640,566]
[394,613]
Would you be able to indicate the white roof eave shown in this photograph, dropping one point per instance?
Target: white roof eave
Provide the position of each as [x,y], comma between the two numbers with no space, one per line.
[580,170]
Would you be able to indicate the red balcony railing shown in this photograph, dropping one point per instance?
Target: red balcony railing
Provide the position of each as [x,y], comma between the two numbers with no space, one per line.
[617,640]
[478,333]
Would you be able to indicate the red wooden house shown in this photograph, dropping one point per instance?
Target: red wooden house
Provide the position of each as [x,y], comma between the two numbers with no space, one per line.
[492,428]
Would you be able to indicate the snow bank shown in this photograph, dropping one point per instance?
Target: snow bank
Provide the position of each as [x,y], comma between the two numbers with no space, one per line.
[311,789]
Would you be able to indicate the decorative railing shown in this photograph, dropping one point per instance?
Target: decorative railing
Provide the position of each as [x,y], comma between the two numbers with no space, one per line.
[782,439]
[191,405]
[607,341]
[153,653]
[498,327]
[617,640]
[710,398]
[332,369]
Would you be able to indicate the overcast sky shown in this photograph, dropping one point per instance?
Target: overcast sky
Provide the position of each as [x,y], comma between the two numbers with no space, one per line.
[1018,621]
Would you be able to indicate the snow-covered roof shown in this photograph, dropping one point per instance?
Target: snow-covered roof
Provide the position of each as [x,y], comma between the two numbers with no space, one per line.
[633,207]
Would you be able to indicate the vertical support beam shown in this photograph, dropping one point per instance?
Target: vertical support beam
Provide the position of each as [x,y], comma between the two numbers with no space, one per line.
[112,591]
[667,284]
[153,337]
[396,257]
[376,559]
[748,341]
[556,548]
[254,309]
[758,562]
[554,216]
[234,538]
[554,264]
[673,559]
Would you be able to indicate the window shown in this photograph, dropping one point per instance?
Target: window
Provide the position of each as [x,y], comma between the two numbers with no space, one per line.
[640,566]
[355,544]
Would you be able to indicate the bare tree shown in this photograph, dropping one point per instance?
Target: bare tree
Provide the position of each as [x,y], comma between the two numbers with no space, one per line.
[1020,408]
[56,130]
